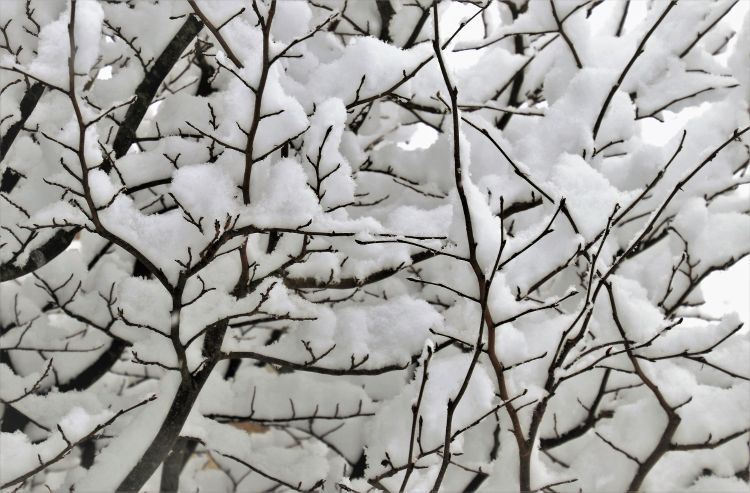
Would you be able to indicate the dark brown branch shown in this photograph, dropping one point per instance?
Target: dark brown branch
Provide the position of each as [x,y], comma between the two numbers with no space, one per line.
[621,78]
[351,282]
[708,28]
[708,444]
[623,17]
[565,35]
[417,27]
[70,446]
[297,487]
[125,137]
[483,286]
[515,167]
[215,31]
[673,419]
[415,419]
[681,98]
[255,122]
[282,363]
[40,256]
[592,417]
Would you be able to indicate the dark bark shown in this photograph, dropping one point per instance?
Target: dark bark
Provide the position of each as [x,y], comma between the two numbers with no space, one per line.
[13,420]
[123,140]
[207,74]
[232,367]
[9,179]
[146,90]
[88,454]
[417,28]
[358,470]
[483,286]
[352,282]
[97,369]
[39,257]
[175,463]
[588,422]
[28,103]
[476,482]
[386,14]
[519,49]
[187,393]
[165,439]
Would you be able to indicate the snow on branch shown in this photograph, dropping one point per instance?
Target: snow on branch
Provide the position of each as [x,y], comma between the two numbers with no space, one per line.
[401,245]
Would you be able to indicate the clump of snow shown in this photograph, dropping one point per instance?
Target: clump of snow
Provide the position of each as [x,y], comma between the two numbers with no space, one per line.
[411,220]
[589,195]
[398,329]
[640,318]
[51,62]
[78,423]
[381,64]
[189,185]
[123,452]
[389,431]
[700,227]
[102,188]
[281,196]
[705,484]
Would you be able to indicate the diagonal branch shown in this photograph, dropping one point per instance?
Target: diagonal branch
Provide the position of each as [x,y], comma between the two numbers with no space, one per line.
[627,68]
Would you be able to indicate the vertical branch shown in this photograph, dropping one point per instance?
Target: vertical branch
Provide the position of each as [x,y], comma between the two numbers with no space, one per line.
[518,78]
[415,419]
[265,24]
[240,289]
[385,9]
[623,17]
[458,177]
[80,151]
[483,286]
[93,214]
